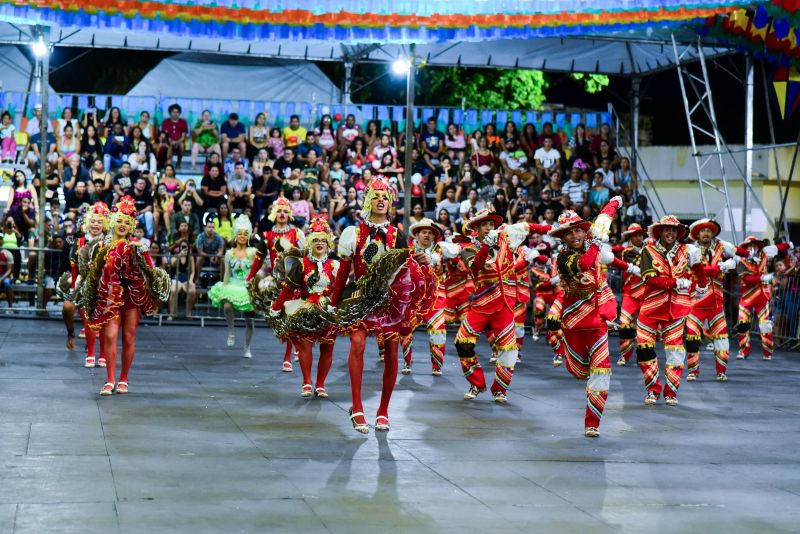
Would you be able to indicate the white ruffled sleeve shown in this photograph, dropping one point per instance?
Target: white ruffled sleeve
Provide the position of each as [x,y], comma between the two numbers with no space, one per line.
[347,242]
[695,255]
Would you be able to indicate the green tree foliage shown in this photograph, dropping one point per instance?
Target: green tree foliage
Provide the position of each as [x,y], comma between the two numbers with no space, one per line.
[491,89]
[494,88]
[592,83]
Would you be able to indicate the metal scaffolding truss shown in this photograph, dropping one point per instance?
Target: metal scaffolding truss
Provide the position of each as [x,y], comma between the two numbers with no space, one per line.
[698,103]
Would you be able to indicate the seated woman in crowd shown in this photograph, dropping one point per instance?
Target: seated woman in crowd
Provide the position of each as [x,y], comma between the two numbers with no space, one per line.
[91,146]
[275,143]
[161,149]
[443,219]
[67,144]
[355,158]
[21,189]
[261,163]
[301,208]
[389,167]
[142,158]
[510,133]
[223,224]
[257,136]
[182,236]
[214,160]
[206,137]
[529,140]
[169,180]
[182,272]
[113,116]
[580,146]
[456,144]
[326,137]
[598,194]
[149,130]
[101,182]
[482,159]
[372,137]
[295,179]
[163,209]
[627,179]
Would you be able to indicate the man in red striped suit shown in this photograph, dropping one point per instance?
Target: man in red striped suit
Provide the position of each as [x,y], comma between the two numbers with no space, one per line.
[492,261]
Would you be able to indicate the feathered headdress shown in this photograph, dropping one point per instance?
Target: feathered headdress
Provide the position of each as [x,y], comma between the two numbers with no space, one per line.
[97,211]
[319,229]
[281,203]
[125,210]
[242,225]
[378,183]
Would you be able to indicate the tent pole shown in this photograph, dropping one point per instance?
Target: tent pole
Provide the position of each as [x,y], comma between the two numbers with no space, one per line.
[636,90]
[409,141]
[348,81]
[44,127]
[774,150]
[748,141]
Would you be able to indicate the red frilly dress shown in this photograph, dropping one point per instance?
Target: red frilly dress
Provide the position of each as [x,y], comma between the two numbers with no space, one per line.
[123,277]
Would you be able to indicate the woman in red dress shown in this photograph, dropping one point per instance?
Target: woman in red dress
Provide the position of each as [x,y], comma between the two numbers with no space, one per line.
[122,283]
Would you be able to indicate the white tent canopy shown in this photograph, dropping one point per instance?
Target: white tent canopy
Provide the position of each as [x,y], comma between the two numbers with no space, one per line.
[197,75]
[15,70]
[612,53]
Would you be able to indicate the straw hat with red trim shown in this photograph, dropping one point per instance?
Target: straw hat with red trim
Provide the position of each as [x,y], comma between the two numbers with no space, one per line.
[668,221]
[698,225]
[567,221]
[632,230]
[484,215]
[752,240]
[425,224]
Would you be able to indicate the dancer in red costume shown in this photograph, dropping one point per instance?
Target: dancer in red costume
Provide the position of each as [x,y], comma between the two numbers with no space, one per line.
[396,287]
[546,304]
[95,222]
[121,284]
[588,304]
[708,312]
[492,261]
[426,234]
[280,238]
[301,311]
[667,266]
[633,289]
[458,285]
[755,293]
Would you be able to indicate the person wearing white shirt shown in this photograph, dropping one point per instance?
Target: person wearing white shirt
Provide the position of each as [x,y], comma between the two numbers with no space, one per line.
[472,202]
[547,159]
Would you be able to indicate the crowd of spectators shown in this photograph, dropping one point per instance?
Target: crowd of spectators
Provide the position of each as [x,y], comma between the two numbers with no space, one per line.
[523,174]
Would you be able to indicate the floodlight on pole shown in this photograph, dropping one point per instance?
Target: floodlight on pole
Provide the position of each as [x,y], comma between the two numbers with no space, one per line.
[39,48]
[401,66]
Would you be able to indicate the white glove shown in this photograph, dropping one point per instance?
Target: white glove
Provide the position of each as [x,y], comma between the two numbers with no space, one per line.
[700,291]
[491,238]
[771,251]
[531,254]
[683,283]
[791,245]
[767,278]
[606,256]
[555,281]
[274,313]
[727,265]
[634,269]
[436,259]
[330,309]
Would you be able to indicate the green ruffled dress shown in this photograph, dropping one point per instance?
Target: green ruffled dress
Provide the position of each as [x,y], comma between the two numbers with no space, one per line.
[235,290]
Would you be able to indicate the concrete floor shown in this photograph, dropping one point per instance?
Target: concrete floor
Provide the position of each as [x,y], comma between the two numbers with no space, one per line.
[210,442]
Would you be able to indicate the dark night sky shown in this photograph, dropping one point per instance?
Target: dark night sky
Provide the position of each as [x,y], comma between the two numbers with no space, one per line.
[116,71]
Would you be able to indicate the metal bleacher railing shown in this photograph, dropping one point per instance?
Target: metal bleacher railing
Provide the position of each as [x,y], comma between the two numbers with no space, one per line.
[278,113]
